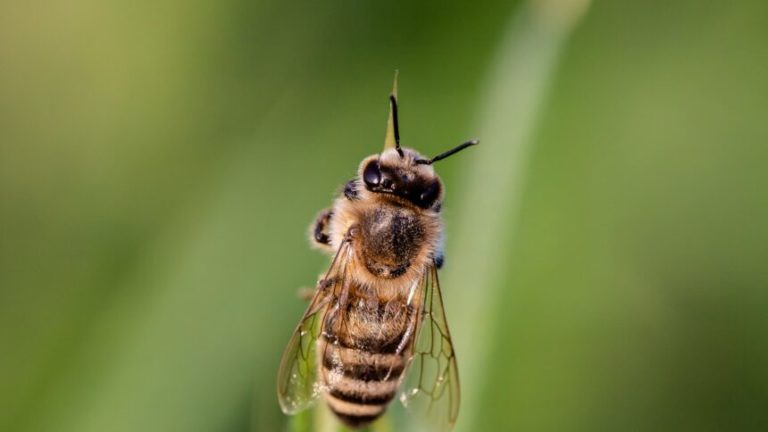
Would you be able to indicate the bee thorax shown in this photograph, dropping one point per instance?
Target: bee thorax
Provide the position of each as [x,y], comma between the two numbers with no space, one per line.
[390,239]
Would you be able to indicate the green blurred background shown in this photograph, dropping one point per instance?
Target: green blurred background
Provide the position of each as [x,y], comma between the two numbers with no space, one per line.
[607,242]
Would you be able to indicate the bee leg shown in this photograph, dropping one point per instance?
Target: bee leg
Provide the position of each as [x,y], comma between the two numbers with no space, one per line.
[318,231]
[439,260]
[410,330]
[350,190]
[408,335]
[305,293]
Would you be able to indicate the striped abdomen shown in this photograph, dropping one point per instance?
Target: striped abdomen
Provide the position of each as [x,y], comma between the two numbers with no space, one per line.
[362,357]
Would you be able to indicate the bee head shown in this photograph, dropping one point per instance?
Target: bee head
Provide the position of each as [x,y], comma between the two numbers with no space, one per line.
[405,173]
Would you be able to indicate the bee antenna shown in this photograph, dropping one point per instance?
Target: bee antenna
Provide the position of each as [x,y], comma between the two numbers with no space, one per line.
[395,123]
[450,152]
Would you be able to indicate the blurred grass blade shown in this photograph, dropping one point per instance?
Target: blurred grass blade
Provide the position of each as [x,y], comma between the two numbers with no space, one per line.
[389,139]
[325,421]
[516,88]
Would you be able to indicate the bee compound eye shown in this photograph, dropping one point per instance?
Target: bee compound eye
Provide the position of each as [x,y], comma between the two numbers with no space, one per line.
[372,174]
[429,195]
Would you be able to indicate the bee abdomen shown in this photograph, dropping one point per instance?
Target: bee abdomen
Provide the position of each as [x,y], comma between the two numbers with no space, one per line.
[357,404]
[360,384]
[362,355]
[363,366]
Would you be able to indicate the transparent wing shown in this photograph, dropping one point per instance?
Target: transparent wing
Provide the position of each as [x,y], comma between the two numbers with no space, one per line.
[431,386]
[297,384]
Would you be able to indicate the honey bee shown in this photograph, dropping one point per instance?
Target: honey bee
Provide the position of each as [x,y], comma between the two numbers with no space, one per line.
[376,322]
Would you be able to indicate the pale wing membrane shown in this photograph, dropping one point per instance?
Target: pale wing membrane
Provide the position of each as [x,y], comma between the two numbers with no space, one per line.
[431,387]
[297,384]
[335,317]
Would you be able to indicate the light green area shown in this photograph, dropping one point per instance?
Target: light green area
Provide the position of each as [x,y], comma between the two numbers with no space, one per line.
[606,243]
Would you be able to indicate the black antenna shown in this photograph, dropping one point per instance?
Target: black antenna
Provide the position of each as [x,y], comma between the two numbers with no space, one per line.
[395,124]
[448,153]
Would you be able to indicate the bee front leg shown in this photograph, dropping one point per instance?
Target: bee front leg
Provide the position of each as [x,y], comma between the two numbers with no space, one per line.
[318,231]
[351,191]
